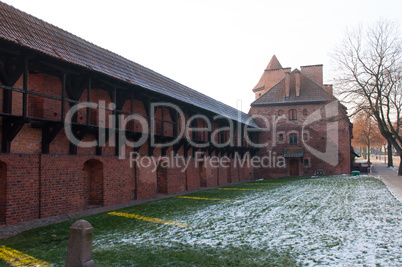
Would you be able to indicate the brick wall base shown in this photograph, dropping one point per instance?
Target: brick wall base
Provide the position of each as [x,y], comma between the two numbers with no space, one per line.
[41,185]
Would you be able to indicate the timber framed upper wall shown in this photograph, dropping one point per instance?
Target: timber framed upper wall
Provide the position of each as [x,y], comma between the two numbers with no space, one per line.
[26,31]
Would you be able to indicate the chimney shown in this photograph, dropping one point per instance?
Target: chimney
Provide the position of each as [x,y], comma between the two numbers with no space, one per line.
[314,72]
[297,83]
[329,88]
[287,85]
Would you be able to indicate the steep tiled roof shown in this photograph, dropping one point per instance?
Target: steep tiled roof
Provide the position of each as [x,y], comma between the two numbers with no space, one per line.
[274,64]
[272,74]
[30,32]
[310,92]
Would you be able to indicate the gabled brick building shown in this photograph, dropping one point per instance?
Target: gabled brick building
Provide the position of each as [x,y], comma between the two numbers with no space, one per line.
[307,125]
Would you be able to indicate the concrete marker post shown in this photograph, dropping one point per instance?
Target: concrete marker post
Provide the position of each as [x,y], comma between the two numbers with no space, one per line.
[79,251]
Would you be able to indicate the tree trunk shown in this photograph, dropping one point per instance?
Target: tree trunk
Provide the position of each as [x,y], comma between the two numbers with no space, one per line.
[390,161]
[368,152]
[400,166]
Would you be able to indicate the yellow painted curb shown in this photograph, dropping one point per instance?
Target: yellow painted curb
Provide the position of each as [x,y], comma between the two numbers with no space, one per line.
[265,184]
[243,189]
[148,219]
[205,198]
[17,258]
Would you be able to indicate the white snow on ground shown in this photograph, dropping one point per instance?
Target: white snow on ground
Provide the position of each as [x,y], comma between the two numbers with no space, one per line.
[327,221]
[393,168]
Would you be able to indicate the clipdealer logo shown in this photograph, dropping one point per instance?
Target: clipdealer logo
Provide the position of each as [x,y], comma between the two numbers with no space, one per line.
[116,133]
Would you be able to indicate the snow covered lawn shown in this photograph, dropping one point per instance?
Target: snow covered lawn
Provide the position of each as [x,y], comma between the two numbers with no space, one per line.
[337,220]
[331,220]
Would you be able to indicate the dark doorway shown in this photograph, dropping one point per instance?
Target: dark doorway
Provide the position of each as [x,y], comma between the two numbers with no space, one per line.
[161,179]
[3,191]
[203,175]
[294,167]
[94,178]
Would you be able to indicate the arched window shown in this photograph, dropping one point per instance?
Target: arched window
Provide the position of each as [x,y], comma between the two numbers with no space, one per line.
[293,139]
[292,114]
[305,136]
[305,112]
[280,137]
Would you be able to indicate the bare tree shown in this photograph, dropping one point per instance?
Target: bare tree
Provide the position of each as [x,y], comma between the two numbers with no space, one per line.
[369,64]
[366,132]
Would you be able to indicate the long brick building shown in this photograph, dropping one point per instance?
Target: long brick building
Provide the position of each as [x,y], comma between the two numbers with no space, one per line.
[309,127]
[82,127]
[45,71]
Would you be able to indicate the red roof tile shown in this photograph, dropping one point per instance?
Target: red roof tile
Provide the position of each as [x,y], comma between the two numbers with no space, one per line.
[25,30]
[274,64]
[310,92]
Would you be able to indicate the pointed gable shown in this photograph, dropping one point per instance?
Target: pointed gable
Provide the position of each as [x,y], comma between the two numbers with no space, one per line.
[271,76]
[274,64]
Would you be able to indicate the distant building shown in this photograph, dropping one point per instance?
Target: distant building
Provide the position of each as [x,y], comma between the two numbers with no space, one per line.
[307,125]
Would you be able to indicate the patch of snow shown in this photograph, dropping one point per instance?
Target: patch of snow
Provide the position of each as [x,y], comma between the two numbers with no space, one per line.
[327,221]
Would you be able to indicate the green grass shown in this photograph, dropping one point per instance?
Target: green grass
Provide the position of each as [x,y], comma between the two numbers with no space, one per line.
[270,228]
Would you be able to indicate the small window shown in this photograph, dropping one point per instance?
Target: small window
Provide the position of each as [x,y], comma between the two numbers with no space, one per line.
[293,139]
[305,112]
[280,112]
[280,137]
[292,115]
[306,163]
[259,94]
[305,137]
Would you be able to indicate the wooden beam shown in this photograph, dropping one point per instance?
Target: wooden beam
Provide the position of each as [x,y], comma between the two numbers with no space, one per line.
[25,89]
[89,101]
[79,133]
[63,96]
[10,129]
[16,74]
[49,132]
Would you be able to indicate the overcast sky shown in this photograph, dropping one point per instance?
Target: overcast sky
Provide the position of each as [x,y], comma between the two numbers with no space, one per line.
[219,48]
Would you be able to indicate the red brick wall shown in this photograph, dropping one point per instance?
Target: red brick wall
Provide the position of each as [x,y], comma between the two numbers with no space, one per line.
[223,175]
[270,78]
[176,180]
[193,176]
[317,139]
[42,185]
[3,191]
[28,140]
[22,187]
[211,173]
[146,183]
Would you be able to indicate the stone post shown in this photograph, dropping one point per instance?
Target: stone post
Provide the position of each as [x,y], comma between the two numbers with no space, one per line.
[79,251]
